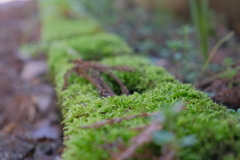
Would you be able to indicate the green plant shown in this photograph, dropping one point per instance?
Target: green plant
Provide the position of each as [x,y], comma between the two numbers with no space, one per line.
[200,15]
[229,69]
[183,55]
[214,50]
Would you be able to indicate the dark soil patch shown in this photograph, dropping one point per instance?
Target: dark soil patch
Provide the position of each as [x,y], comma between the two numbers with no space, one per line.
[29,119]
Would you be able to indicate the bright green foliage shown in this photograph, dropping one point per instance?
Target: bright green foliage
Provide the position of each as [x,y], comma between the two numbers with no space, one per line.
[57,16]
[217,130]
[53,8]
[56,28]
[98,46]
[200,15]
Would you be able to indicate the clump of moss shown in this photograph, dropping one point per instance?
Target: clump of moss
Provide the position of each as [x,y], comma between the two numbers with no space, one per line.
[154,89]
[99,45]
[57,28]
[83,106]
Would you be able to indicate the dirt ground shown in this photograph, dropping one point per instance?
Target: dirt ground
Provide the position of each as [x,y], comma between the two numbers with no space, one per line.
[29,118]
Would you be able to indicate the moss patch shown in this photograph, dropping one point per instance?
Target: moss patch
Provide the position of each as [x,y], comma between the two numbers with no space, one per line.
[216,129]
[56,28]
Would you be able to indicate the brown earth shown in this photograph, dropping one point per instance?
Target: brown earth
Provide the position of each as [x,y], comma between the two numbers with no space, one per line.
[29,119]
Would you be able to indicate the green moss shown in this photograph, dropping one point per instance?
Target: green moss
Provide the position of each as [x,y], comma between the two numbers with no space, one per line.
[210,122]
[56,8]
[56,28]
[153,88]
[99,45]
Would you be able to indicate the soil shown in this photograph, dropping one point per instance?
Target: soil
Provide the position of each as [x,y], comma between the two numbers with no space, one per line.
[223,90]
[29,118]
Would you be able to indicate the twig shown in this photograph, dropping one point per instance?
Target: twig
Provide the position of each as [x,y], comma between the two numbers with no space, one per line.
[216,76]
[146,136]
[102,87]
[118,120]
[168,155]
[141,139]
[121,68]
[214,50]
[65,79]
[85,68]
[123,87]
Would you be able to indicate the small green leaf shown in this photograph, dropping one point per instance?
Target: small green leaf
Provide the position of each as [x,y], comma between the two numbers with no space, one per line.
[162,137]
[231,110]
[238,110]
[188,141]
